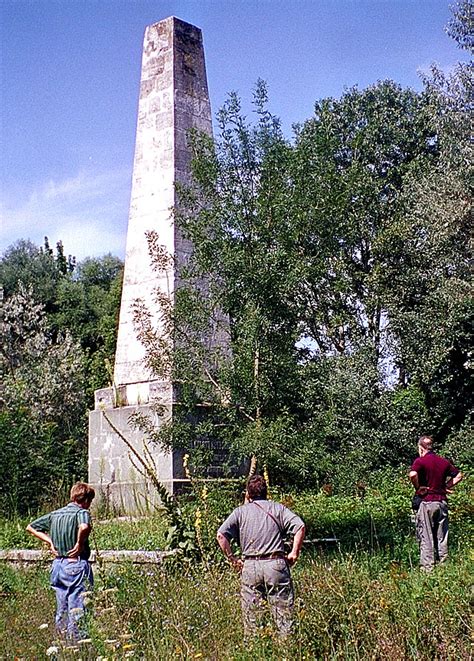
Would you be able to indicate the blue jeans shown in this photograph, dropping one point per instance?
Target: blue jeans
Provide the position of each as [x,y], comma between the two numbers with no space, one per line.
[69,578]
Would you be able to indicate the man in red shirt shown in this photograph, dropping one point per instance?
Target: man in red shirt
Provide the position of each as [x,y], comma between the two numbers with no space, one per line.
[433,477]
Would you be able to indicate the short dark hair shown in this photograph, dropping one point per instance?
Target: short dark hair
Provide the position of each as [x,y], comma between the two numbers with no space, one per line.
[82,493]
[256,487]
[426,442]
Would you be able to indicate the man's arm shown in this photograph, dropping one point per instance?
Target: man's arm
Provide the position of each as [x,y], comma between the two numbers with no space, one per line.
[414,479]
[82,534]
[454,480]
[294,554]
[44,537]
[227,551]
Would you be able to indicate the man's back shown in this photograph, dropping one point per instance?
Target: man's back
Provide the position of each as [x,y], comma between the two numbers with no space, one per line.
[62,526]
[433,471]
[261,526]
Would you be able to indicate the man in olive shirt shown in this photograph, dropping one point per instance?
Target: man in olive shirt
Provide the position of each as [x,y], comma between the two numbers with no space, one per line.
[66,531]
[260,527]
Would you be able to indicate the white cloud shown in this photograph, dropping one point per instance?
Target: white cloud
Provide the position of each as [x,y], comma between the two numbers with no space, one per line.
[88,213]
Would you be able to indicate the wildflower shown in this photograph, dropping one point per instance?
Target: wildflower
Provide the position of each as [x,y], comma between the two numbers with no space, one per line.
[84,641]
[43,626]
[52,650]
[129,654]
[111,641]
[185,466]
[128,646]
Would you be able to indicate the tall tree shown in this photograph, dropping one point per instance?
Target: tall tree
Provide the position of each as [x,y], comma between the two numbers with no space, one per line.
[242,275]
[352,160]
[42,421]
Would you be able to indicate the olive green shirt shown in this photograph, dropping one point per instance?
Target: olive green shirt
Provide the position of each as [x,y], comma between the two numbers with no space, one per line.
[62,526]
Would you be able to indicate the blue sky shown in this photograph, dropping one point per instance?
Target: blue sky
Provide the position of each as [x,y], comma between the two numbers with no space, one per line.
[70,76]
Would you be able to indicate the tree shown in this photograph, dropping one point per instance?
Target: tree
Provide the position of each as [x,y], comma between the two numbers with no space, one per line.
[460,27]
[88,308]
[305,256]
[352,159]
[41,403]
[434,313]
[36,267]
[337,267]
[82,300]
[241,276]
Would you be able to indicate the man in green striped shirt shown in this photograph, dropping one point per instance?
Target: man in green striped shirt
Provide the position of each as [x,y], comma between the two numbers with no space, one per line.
[66,531]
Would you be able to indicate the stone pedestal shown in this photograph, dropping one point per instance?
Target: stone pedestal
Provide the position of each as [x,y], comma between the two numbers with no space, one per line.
[115,471]
[173,99]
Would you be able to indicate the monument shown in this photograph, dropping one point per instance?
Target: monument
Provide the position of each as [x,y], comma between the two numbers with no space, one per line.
[173,99]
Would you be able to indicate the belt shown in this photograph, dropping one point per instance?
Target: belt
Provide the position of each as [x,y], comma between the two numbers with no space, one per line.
[269,556]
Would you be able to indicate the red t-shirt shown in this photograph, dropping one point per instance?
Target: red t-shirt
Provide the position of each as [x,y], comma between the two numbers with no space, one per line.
[433,471]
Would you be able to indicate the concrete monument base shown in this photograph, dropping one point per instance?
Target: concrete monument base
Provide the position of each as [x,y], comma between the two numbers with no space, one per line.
[115,471]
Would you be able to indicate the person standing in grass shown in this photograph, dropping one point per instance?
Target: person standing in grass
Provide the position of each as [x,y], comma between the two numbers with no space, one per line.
[66,531]
[260,527]
[433,477]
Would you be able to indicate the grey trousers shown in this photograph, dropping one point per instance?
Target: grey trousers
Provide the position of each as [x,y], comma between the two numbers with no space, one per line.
[432,533]
[267,580]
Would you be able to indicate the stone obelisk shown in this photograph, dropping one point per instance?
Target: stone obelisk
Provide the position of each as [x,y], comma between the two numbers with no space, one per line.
[173,99]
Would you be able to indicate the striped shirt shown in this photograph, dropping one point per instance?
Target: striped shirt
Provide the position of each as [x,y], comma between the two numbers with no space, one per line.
[258,533]
[62,526]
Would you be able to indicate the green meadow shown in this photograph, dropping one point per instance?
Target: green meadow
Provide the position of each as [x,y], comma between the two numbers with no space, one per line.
[362,597]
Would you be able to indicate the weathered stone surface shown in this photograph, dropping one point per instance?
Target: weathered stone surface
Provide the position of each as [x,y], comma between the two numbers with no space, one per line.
[29,556]
[173,98]
[111,462]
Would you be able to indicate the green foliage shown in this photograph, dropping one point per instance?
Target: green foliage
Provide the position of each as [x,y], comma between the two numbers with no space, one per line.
[35,267]
[81,300]
[306,325]
[58,326]
[41,404]
[41,373]
[350,164]
[88,306]
[36,460]
[460,25]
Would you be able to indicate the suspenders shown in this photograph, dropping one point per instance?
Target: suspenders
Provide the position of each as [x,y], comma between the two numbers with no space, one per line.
[271,517]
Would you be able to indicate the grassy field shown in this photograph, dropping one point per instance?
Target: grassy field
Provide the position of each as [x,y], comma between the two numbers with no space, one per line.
[349,606]
[364,599]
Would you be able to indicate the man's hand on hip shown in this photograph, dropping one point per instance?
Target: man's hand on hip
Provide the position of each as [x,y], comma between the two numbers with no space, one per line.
[292,557]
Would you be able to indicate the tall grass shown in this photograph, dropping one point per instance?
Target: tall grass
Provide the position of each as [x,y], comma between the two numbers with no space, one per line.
[350,606]
[364,600]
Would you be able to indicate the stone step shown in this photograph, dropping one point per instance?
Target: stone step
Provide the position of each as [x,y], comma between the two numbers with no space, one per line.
[27,556]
